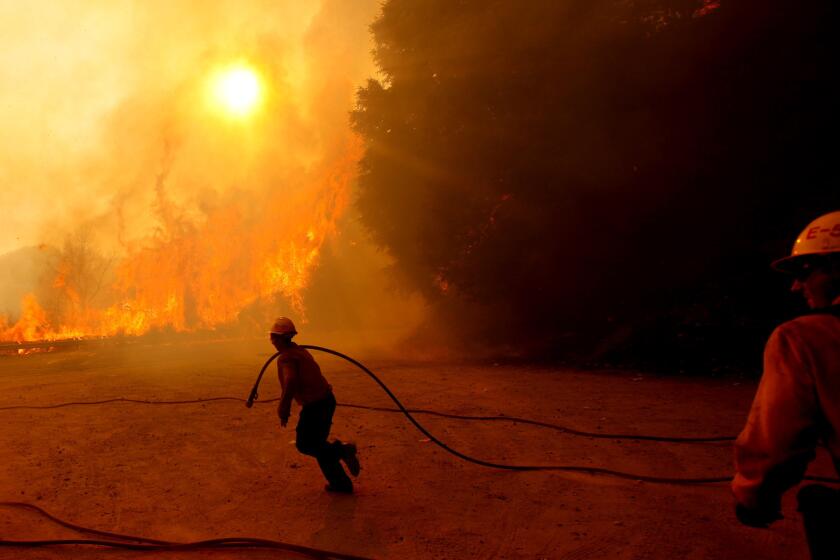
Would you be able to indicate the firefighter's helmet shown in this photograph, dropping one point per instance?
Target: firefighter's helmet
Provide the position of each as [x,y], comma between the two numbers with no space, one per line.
[821,237]
[283,326]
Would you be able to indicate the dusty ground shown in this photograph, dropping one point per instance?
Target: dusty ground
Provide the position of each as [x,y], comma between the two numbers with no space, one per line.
[194,472]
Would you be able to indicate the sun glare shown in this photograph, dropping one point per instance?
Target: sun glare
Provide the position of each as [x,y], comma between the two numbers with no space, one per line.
[237,90]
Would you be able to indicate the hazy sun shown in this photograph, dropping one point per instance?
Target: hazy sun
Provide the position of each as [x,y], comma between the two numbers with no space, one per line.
[237,90]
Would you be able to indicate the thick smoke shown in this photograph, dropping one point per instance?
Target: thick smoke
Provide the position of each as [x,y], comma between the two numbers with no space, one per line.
[145,196]
[607,179]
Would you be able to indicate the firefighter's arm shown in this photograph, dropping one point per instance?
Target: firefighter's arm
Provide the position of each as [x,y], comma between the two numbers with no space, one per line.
[288,372]
[778,441]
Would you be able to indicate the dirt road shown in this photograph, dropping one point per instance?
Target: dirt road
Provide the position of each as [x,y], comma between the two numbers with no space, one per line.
[192,472]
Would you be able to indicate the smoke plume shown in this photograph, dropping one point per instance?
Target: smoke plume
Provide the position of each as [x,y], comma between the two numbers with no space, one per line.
[158,209]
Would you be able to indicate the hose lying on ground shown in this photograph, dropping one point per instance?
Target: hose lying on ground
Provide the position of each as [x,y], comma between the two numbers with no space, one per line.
[131,542]
[504,418]
[564,468]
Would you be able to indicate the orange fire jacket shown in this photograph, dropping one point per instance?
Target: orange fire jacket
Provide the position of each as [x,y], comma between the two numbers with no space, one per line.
[300,377]
[796,405]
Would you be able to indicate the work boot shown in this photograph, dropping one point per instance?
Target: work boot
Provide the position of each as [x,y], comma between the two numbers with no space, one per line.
[335,489]
[348,455]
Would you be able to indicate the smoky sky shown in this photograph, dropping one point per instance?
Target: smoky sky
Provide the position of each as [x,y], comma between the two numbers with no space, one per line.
[99,97]
[113,159]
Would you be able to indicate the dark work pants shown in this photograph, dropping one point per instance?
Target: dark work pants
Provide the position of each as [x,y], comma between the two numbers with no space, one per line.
[820,508]
[313,428]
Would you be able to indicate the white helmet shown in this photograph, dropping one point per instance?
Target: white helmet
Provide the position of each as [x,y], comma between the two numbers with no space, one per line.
[283,325]
[821,237]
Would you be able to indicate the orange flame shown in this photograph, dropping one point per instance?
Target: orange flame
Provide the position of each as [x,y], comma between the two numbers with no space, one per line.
[201,277]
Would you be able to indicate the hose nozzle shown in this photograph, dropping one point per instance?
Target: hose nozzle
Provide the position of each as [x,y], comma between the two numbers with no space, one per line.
[251,398]
[254,396]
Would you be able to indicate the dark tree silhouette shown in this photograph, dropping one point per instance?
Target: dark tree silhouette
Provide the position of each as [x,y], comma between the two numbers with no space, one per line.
[605,176]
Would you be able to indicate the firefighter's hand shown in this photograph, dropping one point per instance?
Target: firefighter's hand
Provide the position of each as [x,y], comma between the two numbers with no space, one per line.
[759,518]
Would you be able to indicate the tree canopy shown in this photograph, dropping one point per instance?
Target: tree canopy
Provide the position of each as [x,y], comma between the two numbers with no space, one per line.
[582,173]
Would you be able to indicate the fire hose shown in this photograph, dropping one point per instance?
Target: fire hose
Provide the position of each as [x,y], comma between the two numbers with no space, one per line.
[132,542]
[469,417]
[254,395]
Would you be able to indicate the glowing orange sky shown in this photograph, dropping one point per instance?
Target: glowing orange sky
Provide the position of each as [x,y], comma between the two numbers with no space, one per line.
[108,130]
[91,88]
